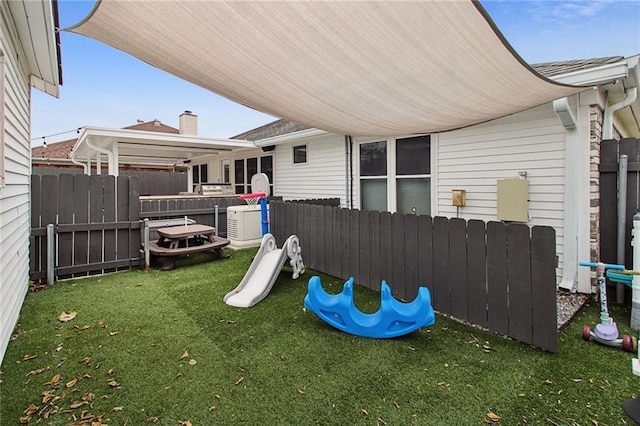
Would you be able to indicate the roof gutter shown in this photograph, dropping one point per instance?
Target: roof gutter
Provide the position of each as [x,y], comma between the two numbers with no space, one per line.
[609,110]
[275,140]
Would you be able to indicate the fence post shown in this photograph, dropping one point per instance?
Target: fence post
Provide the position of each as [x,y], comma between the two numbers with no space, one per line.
[147,256]
[51,255]
[215,219]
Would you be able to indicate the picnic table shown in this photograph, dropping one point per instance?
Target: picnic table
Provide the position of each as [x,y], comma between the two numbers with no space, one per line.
[186,239]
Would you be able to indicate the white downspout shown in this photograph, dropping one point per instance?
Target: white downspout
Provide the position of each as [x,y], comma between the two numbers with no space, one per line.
[85,166]
[609,110]
[570,258]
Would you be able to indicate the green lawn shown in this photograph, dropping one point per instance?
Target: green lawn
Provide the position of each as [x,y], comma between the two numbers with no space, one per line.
[162,347]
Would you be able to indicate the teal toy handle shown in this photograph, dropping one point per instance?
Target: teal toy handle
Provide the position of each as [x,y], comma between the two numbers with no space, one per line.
[606,265]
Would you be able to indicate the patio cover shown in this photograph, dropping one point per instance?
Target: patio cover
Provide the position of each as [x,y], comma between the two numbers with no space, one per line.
[135,147]
[378,68]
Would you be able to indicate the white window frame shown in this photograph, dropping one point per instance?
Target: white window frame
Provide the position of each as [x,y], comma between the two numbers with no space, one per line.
[306,155]
[247,179]
[392,177]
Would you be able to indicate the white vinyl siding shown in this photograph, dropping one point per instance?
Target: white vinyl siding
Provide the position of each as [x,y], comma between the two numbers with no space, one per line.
[475,158]
[322,176]
[14,196]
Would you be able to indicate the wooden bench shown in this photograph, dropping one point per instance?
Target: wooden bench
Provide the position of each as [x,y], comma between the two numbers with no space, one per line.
[186,239]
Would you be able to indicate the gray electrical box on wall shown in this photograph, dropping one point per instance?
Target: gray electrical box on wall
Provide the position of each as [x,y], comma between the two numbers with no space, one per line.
[513,200]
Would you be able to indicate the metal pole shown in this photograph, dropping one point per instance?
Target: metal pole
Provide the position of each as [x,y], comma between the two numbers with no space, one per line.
[147,255]
[51,255]
[622,219]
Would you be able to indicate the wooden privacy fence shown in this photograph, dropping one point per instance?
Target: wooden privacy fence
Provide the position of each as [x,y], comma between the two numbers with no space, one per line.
[96,224]
[497,276]
[610,152]
[149,182]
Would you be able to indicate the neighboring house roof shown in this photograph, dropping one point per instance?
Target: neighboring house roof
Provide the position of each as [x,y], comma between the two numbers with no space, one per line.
[54,150]
[275,128]
[62,149]
[547,69]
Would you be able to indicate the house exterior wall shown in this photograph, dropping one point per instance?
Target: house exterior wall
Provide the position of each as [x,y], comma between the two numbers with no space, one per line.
[14,196]
[475,158]
[322,176]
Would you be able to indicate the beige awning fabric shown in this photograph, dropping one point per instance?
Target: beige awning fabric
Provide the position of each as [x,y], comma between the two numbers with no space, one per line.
[378,68]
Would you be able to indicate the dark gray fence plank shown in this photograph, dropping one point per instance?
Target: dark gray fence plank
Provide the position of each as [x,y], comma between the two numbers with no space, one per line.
[441,300]
[345,271]
[477,272]
[397,280]
[81,201]
[497,302]
[425,252]
[386,249]
[364,249]
[48,211]
[411,259]
[543,289]
[320,227]
[122,214]
[35,247]
[327,235]
[519,281]
[375,255]
[96,207]
[458,268]
[309,234]
[135,237]
[109,215]
[66,215]
[336,252]
[354,245]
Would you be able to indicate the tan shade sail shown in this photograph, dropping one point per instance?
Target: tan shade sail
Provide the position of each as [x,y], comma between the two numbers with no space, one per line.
[378,68]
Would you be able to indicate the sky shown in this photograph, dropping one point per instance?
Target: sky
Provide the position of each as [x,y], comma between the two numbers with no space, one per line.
[104,87]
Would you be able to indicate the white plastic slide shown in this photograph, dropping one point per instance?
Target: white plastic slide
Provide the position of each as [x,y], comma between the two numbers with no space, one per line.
[264,271]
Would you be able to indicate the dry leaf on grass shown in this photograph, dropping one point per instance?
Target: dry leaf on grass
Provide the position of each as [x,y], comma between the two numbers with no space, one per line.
[493,416]
[54,380]
[28,357]
[38,371]
[113,383]
[67,316]
[31,409]
[153,419]
[72,383]
[240,380]
[185,355]
[116,409]
[192,362]
[113,333]
[185,423]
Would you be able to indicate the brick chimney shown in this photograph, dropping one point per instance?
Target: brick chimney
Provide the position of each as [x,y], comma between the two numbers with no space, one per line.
[188,123]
